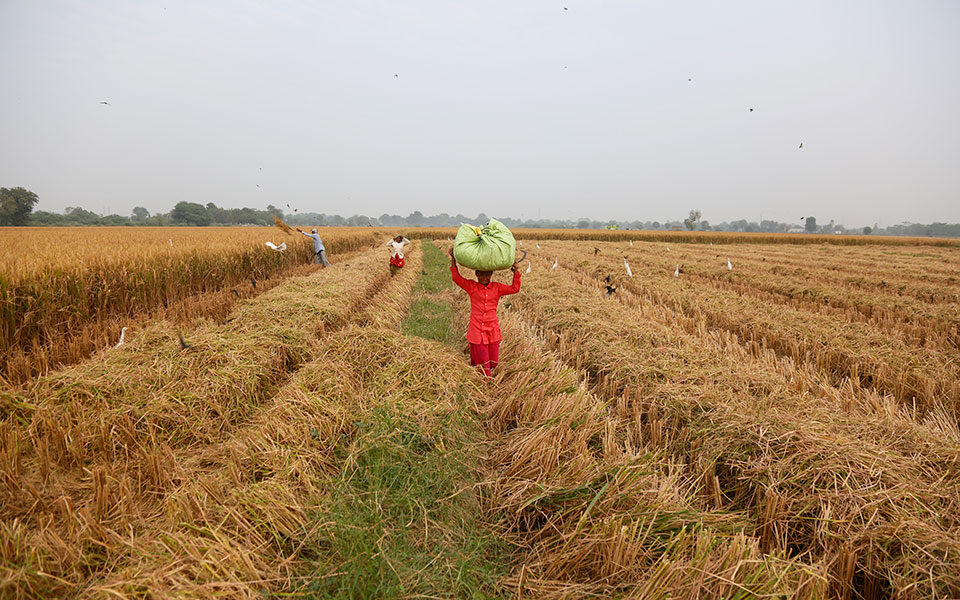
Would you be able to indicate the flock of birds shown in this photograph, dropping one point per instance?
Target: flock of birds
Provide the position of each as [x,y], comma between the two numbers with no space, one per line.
[626,265]
[610,289]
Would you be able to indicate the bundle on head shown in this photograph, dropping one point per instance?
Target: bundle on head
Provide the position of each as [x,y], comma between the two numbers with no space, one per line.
[490,248]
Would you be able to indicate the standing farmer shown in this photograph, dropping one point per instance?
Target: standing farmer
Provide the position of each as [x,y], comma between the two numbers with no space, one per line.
[319,252]
[483,333]
[397,245]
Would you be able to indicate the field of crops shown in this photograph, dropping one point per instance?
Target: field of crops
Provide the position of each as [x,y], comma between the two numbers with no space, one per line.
[669,419]
[68,291]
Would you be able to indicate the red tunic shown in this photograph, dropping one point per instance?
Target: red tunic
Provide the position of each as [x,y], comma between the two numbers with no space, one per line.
[484,327]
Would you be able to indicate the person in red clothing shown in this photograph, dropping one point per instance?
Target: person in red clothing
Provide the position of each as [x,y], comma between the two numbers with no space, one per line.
[483,333]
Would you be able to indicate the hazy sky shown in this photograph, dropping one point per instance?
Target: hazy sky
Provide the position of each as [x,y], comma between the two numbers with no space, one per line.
[515,108]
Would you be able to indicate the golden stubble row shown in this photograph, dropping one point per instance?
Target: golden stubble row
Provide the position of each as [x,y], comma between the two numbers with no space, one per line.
[924,376]
[91,453]
[851,479]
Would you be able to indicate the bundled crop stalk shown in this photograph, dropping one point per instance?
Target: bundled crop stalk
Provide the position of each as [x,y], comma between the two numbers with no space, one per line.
[852,489]
[920,377]
[597,513]
[129,416]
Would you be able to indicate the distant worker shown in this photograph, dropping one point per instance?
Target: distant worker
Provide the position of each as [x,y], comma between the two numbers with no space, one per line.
[319,252]
[397,245]
[483,333]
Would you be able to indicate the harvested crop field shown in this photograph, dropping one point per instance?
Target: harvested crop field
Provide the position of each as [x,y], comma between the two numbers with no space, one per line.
[669,419]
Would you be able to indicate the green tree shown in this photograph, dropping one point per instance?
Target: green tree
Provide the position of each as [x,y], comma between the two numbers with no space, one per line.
[811,225]
[190,213]
[692,220]
[15,205]
[867,230]
[140,214]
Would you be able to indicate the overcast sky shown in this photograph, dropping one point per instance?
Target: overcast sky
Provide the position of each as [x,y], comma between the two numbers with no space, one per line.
[561,109]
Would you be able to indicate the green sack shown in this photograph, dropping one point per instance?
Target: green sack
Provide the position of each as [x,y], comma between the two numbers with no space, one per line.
[488,249]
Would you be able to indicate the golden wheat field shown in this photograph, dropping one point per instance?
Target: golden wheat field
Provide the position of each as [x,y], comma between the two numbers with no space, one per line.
[689,417]
[68,291]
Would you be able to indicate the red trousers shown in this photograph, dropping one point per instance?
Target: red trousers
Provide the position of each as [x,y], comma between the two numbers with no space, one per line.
[485,355]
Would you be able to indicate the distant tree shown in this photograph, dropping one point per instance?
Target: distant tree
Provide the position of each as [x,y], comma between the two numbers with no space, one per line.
[583,224]
[358,221]
[867,230]
[81,216]
[190,213]
[140,214]
[811,225]
[691,221]
[415,219]
[705,226]
[15,205]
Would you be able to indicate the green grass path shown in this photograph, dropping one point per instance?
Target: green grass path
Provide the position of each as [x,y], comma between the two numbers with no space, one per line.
[402,519]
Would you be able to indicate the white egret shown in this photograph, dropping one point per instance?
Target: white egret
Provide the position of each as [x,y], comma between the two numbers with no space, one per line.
[528,267]
[554,267]
[276,248]
[122,332]
[676,272]
[729,265]
[627,265]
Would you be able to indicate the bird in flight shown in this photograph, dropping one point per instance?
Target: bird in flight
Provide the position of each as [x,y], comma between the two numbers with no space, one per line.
[397,75]
[751,110]
[107,103]
[282,247]
[801,144]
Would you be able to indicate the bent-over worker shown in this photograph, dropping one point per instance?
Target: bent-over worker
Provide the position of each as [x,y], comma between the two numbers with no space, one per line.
[396,246]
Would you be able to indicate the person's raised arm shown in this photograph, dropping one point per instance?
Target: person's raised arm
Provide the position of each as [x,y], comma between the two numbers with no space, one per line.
[515,286]
[455,272]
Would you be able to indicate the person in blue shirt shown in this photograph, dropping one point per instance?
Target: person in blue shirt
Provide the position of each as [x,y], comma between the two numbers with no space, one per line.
[319,252]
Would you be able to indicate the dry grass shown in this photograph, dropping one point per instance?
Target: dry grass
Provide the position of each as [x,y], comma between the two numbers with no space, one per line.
[837,474]
[66,292]
[91,452]
[637,445]
[694,237]
[916,364]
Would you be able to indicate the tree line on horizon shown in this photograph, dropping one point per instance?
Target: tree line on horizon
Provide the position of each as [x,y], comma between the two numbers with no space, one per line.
[16,209]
